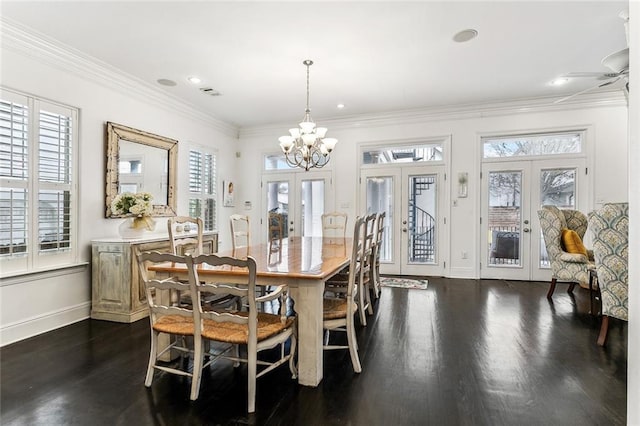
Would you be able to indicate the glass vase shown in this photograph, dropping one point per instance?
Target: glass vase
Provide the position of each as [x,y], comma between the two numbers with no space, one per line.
[135,227]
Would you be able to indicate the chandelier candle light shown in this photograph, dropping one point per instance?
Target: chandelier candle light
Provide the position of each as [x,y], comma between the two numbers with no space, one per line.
[306,146]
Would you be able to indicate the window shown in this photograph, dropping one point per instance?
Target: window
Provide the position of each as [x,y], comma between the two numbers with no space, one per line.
[38,146]
[532,145]
[423,152]
[202,187]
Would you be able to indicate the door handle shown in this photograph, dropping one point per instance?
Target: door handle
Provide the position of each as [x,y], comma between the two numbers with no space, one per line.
[404,222]
[526,230]
[404,229]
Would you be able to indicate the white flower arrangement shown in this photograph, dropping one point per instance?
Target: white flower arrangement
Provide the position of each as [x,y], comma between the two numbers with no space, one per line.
[130,204]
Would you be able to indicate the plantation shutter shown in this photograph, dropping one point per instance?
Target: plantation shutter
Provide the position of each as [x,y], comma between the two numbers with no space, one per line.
[202,188]
[14,172]
[37,192]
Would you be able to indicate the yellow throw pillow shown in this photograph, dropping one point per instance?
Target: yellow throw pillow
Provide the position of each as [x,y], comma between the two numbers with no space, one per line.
[572,242]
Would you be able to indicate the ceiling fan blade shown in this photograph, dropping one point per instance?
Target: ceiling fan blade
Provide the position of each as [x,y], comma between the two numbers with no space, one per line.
[576,94]
[606,83]
[582,74]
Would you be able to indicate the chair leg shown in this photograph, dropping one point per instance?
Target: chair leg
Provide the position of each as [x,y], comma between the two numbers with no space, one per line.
[353,346]
[196,374]
[360,301]
[363,314]
[152,358]
[292,355]
[571,287]
[552,288]
[604,328]
[378,287]
[252,366]
[368,299]
[236,354]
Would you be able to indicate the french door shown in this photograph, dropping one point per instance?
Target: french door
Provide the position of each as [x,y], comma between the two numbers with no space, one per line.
[512,246]
[413,198]
[301,198]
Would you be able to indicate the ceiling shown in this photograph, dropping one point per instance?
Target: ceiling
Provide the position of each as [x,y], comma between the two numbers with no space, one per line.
[372,57]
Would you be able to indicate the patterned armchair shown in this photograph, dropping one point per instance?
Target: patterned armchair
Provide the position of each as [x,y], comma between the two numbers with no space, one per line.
[610,229]
[565,267]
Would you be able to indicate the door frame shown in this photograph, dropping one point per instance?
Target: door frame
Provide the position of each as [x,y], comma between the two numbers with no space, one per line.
[444,191]
[587,155]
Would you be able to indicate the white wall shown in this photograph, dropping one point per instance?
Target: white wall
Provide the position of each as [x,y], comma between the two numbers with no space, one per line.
[37,303]
[606,133]
[633,337]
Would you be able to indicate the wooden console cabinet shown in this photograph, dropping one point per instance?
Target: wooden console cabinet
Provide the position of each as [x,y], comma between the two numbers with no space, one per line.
[116,292]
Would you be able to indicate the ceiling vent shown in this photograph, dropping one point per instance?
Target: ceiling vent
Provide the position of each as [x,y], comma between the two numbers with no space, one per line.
[209,91]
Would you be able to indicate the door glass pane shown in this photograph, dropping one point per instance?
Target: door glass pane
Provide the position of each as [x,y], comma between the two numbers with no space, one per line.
[422,220]
[312,204]
[380,199]
[505,189]
[278,201]
[557,188]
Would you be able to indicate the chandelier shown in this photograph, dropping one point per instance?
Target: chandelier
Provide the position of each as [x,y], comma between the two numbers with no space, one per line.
[305,146]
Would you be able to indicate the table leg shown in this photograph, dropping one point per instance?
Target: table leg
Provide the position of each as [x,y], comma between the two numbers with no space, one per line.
[307,296]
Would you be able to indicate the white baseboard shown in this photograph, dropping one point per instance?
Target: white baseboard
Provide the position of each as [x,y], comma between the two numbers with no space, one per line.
[29,327]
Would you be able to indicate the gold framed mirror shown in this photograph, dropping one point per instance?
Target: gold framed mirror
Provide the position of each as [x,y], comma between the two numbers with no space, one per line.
[139,161]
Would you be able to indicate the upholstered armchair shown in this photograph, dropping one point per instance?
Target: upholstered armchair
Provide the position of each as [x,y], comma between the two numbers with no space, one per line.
[565,267]
[610,229]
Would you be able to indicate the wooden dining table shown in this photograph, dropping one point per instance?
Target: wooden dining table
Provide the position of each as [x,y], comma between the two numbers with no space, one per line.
[304,264]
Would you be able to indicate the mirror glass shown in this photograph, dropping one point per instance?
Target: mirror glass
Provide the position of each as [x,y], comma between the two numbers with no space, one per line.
[139,161]
[143,168]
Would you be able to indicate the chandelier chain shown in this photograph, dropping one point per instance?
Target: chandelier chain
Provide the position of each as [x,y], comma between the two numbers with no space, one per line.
[306,146]
[308,63]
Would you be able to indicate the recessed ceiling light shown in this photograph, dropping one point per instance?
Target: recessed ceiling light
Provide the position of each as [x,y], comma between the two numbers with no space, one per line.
[340,106]
[465,35]
[167,82]
[194,80]
[559,81]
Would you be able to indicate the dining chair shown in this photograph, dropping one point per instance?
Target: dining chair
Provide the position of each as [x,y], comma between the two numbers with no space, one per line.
[240,231]
[257,331]
[166,318]
[365,280]
[185,234]
[377,248]
[610,229]
[339,303]
[334,224]
[276,231]
[185,237]
[568,225]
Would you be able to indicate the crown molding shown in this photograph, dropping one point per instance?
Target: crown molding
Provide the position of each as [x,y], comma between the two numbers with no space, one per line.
[27,42]
[457,112]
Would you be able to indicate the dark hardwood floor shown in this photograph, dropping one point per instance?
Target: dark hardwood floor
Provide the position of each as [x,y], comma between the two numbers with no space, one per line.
[462,352]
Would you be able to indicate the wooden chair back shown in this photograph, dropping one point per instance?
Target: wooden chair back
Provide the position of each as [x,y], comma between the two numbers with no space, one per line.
[334,224]
[189,230]
[240,231]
